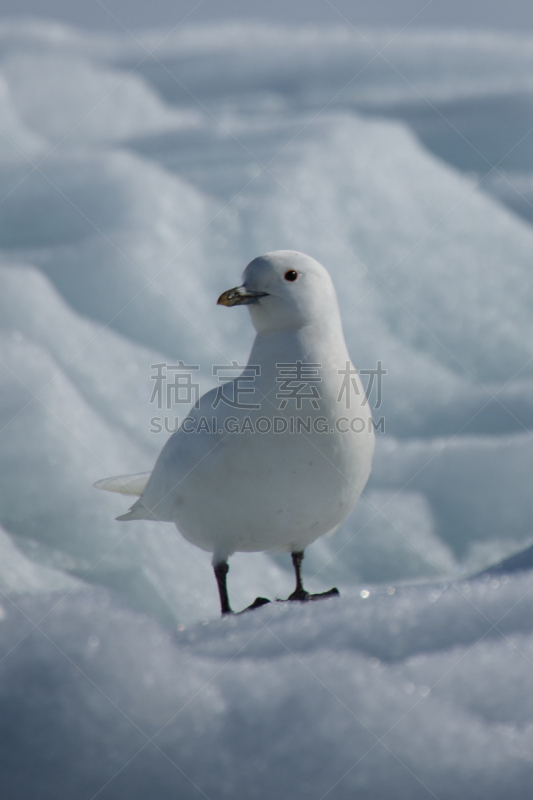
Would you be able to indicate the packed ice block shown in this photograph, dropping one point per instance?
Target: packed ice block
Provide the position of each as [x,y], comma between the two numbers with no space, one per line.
[137,179]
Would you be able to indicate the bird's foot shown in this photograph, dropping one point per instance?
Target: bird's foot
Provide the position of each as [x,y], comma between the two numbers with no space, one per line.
[299,594]
[324,595]
[303,597]
[258,602]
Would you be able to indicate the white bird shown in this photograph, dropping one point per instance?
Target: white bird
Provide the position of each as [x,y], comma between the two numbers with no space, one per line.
[290,468]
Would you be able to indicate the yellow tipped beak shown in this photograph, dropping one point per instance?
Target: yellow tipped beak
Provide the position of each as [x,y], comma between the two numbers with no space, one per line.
[240,296]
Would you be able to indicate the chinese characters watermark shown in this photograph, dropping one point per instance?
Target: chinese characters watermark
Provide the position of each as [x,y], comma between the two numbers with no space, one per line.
[182,390]
[350,383]
[296,387]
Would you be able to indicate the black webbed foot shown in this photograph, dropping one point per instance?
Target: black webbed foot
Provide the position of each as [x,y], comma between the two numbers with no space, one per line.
[324,595]
[303,597]
[221,571]
[258,602]
[300,594]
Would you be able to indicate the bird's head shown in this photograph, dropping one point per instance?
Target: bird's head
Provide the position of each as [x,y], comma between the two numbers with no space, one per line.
[284,290]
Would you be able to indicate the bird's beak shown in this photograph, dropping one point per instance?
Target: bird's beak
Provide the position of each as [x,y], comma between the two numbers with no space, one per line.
[240,296]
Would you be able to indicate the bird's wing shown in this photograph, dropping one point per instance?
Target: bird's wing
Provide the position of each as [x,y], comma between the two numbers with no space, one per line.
[125,484]
[177,460]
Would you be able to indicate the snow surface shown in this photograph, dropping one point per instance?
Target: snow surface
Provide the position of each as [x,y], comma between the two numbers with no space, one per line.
[138,176]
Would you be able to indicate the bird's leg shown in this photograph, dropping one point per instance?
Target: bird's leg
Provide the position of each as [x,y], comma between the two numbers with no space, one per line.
[221,571]
[300,593]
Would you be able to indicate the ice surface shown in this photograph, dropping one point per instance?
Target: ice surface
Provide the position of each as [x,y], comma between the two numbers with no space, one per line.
[417,694]
[388,537]
[137,178]
[76,101]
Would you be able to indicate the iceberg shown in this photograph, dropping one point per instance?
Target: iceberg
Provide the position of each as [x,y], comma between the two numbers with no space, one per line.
[138,177]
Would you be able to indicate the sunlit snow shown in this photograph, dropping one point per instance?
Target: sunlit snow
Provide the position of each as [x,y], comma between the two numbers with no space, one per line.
[139,175]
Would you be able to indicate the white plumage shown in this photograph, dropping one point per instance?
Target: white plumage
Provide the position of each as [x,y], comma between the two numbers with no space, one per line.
[255,491]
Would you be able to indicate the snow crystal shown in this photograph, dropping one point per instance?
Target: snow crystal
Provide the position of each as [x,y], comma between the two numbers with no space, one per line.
[134,189]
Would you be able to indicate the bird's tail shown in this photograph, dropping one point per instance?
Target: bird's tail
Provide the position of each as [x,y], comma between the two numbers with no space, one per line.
[125,484]
[137,511]
[132,485]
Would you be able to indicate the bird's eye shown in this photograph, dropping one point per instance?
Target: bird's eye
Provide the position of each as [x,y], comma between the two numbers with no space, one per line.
[291,275]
